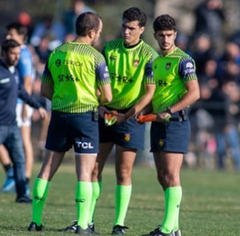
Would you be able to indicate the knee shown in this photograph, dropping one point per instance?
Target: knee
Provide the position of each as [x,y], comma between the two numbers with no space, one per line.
[170,179]
[96,173]
[123,176]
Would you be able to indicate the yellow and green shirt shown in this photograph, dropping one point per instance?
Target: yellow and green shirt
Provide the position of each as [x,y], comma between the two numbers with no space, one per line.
[76,70]
[130,70]
[171,73]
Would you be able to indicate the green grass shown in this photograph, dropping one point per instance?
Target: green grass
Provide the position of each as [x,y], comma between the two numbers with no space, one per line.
[210,204]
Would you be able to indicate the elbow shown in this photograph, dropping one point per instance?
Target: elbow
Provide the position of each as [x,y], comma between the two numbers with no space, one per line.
[108,98]
[198,95]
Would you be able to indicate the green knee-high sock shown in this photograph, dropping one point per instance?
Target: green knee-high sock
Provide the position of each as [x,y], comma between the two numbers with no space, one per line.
[97,189]
[83,202]
[176,223]
[40,191]
[173,196]
[122,199]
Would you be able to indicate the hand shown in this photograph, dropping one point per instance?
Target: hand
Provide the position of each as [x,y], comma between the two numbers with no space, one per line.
[43,113]
[163,116]
[120,118]
[102,111]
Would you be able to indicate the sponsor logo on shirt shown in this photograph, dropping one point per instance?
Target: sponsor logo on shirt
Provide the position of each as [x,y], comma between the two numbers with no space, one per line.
[106,72]
[162,83]
[72,63]
[121,79]
[58,62]
[67,78]
[189,69]
[112,58]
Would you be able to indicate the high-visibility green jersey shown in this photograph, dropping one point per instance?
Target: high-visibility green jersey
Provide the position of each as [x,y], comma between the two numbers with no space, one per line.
[171,73]
[75,69]
[130,70]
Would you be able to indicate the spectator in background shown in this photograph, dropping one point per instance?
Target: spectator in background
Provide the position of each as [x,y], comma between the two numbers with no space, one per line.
[209,20]
[70,15]
[19,33]
[48,26]
[229,64]
[202,52]
[182,42]
[43,49]
[25,19]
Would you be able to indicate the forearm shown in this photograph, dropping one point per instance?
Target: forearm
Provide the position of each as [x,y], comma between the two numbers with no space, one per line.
[28,84]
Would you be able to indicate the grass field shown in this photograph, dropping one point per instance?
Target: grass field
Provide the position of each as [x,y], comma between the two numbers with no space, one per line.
[210,204]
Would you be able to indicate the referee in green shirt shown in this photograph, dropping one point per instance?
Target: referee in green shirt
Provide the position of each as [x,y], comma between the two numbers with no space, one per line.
[76,80]
[176,89]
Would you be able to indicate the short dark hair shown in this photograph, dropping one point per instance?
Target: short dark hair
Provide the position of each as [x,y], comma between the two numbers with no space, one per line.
[21,29]
[164,22]
[9,43]
[134,13]
[87,21]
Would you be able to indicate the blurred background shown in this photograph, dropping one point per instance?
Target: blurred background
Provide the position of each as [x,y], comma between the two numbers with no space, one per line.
[209,30]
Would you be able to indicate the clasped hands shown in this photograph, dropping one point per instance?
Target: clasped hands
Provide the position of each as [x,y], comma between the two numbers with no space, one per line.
[112,117]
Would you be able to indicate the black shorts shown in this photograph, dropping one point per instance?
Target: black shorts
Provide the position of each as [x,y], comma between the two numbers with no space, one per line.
[79,130]
[129,134]
[171,136]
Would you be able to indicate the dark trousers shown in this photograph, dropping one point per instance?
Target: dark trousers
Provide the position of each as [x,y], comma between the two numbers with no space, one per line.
[10,136]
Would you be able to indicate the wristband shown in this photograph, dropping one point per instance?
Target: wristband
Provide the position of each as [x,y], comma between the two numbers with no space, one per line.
[168,110]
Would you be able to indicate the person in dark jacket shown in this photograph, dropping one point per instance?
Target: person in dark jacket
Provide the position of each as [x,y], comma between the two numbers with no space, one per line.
[10,136]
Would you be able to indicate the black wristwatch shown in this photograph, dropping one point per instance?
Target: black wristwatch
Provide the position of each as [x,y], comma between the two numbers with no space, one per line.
[168,110]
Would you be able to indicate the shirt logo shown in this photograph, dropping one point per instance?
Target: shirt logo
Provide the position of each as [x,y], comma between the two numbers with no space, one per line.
[112,58]
[136,63]
[58,62]
[5,80]
[189,69]
[168,65]
[127,137]
[189,65]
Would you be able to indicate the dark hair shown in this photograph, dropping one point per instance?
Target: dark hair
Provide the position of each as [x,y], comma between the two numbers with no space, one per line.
[87,21]
[9,43]
[21,29]
[164,22]
[134,13]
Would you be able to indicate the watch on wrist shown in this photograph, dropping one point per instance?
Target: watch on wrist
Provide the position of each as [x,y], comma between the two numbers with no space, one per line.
[168,110]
